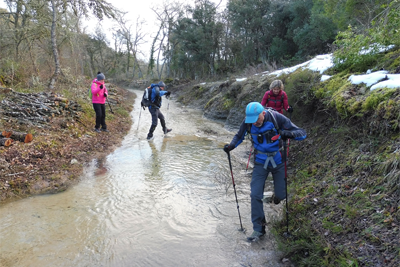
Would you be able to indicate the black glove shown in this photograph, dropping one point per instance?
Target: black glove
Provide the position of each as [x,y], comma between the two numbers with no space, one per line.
[101,86]
[227,148]
[105,95]
[167,93]
[286,134]
[290,109]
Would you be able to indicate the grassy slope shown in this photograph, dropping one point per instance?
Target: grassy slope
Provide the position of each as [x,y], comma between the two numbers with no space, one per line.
[344,188]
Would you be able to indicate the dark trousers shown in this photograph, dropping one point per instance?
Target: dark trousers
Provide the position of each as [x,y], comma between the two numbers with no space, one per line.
[100,110]
[257,191]
[155,115]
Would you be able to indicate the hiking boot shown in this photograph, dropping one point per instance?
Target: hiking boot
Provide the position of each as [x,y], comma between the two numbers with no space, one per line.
[166,130]
[97,130]
[105,130]
[276,200]
[150,134]
[255,236]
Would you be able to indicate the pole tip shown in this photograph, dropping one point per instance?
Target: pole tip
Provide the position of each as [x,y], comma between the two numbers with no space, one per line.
[287,235]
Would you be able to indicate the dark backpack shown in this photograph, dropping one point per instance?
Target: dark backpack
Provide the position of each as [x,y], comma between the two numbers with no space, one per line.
[147,95]
[146,99]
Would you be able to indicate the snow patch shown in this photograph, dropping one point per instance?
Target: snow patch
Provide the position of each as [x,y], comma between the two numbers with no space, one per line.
[325,77]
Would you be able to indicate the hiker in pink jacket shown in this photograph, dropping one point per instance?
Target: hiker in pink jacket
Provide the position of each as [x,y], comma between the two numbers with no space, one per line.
[99,96]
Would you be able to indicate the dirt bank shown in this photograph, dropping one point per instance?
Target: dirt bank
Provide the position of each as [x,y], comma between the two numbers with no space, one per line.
[59,150]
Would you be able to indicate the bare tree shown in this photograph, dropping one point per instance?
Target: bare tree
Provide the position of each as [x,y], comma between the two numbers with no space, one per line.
[99,8]
[132,39]
[166,17]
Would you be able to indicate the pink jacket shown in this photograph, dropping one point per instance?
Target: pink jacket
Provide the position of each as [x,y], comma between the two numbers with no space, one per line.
[97,93]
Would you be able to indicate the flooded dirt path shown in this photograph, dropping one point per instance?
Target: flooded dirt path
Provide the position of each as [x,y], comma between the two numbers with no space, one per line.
[165,202]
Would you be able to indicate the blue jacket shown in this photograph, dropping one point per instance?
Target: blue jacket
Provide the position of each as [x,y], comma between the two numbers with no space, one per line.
[156,95]
[264,133]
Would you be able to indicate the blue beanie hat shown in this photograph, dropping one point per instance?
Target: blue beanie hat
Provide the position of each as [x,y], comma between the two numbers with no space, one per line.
[100,76]
[253,109]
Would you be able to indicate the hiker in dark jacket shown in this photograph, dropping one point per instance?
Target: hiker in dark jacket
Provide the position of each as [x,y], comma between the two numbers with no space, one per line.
[276,98]
[156,94]
[262,125]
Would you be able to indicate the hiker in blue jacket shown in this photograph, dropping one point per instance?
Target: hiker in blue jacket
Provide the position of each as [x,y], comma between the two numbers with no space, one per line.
[264,125]
[156,94]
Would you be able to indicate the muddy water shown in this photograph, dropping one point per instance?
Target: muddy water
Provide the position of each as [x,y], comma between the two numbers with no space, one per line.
[164,202]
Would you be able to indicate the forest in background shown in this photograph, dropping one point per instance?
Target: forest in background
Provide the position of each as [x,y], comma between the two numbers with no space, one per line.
[44,41]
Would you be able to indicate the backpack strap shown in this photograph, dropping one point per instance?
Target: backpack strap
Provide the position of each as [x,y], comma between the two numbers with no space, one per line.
[274,119]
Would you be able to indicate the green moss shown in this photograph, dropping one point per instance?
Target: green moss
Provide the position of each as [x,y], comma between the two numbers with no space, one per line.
[212,100]
[376,97]
[333,85]
[228,103]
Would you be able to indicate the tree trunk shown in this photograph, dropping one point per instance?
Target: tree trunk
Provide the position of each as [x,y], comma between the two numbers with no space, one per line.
[57,70]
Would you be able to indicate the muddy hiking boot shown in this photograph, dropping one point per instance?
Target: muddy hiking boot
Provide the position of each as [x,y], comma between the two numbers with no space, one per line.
[255,236]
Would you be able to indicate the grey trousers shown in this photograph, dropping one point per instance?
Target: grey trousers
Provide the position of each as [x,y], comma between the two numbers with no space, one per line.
[257,190]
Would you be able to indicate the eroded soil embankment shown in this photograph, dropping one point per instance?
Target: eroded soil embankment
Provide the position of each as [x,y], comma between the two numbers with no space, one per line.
[55,157]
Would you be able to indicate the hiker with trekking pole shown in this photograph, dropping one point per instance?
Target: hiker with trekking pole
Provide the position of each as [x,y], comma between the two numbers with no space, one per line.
[152,99]
[266,128]
[99,95]
[277,99]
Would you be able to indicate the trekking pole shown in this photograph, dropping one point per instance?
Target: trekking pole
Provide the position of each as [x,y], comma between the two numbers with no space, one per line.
[140,113]
[234,188]
[288,141]
[287,234]
[109,105]
[168,106]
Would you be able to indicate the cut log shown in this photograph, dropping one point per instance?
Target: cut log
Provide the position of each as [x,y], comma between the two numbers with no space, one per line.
[6,134]
[5,141]
[22,137]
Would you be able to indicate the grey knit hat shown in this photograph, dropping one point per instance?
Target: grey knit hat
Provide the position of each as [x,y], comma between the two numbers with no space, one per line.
[162,84]
[100,76]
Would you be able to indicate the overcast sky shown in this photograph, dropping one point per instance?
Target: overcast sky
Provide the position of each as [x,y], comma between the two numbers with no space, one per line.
[135,8]
[140,8]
